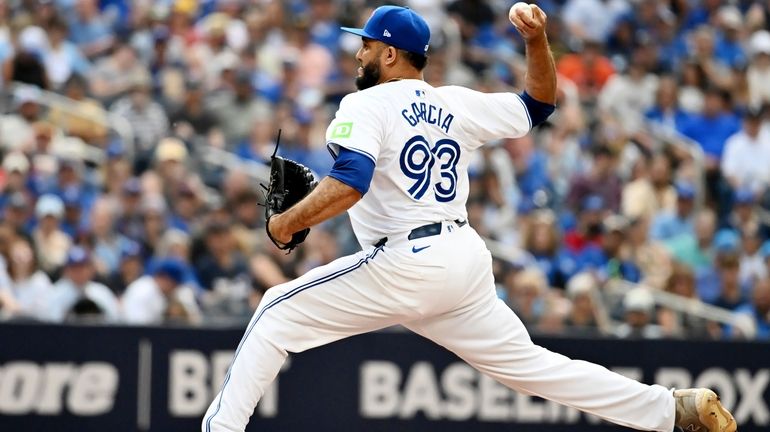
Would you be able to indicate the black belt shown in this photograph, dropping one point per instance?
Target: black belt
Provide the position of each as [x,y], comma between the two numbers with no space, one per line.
[424,231]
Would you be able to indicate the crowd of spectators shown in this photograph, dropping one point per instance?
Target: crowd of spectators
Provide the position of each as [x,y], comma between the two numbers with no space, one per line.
[655,169]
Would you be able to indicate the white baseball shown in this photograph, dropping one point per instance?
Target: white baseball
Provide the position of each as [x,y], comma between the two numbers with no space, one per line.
[519,5]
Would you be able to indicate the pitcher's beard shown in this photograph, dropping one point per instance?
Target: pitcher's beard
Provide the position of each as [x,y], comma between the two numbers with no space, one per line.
[370,76]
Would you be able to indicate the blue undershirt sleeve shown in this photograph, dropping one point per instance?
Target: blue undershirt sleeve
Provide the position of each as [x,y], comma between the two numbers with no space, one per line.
[354,169]
[538,111]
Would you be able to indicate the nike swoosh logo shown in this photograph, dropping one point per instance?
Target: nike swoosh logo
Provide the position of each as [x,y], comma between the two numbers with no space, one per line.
[415,249]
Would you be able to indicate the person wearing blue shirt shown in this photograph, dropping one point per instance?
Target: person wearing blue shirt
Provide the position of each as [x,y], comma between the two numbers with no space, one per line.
[88,29]
[743,210]
[607,266]
[730,52]
[530,165]
[73,214]
[606,260]
[543,242]
[713,126]
[16,211]
[666,112]
[74,179]
[719,283]
[696,17]
[672,47]
[222,265]
[119,12]
[185,210]
[325,30]
[667,225]
[728,47]
[711,129]
[759,309]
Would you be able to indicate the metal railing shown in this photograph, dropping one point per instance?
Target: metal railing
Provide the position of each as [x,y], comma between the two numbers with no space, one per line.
[221,158]
[674,302]
[50,100]
[212,156]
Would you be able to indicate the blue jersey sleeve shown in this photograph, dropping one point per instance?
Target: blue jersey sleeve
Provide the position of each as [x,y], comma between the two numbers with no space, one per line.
[538,111]
[354,169]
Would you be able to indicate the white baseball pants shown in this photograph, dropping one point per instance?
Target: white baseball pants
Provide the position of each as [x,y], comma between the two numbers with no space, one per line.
[444,292]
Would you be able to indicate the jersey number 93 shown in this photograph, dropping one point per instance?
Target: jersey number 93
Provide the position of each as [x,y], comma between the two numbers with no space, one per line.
[417,160]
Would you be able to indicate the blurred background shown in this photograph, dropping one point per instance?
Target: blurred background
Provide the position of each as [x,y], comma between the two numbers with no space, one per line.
[134,135]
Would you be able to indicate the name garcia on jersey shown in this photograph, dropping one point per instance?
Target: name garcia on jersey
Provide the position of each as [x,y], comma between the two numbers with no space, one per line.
[428,113]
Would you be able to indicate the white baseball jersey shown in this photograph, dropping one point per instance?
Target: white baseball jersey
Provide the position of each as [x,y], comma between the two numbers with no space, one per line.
[420,138]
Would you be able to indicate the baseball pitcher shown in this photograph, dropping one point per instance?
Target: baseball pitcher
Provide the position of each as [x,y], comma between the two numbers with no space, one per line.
[401,150]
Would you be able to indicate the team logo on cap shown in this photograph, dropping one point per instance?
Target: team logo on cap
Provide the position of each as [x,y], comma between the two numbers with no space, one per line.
[386,33]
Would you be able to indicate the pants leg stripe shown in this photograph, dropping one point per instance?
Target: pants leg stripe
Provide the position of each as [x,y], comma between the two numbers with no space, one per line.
[288,295]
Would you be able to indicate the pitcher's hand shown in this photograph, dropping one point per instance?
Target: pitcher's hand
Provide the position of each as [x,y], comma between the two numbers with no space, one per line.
[528,19]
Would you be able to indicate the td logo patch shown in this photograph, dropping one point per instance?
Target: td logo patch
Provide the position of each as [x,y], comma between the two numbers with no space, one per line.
[342,130]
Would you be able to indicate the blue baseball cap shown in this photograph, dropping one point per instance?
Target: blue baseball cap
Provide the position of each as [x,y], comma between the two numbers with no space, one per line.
[78,255]
[115,149]
[592,203]
[173,268]
[727,240]
[684,190]
[397,26]
[130,249]
[744,196]
[72,196]
[132,186]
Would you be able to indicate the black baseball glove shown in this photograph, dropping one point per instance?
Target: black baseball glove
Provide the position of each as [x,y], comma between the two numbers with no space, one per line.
[289,183]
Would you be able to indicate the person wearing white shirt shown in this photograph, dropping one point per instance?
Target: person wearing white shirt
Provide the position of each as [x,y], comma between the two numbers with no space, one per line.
[593,19]
[76,291]
[30,288]
[626,97]
[161,296]
[758,72]
[51,242]
[747,155]
[752,265]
